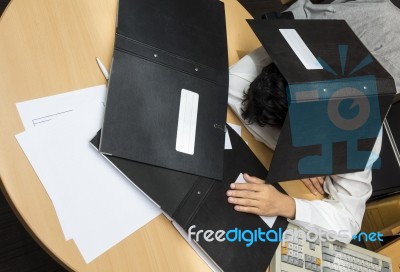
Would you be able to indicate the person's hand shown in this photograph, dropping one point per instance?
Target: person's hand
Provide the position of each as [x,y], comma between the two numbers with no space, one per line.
[315,185]
[259,198]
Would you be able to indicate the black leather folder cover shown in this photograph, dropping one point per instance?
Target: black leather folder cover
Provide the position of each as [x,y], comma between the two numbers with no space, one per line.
[385,180]
[161,48]
[308,117]
[192,200]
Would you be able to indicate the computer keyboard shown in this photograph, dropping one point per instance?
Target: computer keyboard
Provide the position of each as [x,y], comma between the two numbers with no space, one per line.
[303,254]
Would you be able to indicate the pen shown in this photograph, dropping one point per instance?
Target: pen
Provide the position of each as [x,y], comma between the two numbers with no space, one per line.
[103,68]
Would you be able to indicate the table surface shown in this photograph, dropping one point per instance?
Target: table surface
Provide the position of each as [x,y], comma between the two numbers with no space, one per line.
[393,250]
[49,47]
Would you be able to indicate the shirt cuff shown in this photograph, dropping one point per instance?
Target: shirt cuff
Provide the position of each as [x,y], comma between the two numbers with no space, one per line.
[304,219]
[303,212]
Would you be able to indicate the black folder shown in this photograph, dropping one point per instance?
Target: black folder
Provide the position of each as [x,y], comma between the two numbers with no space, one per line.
[313,140]
[193,200]
[163,50]
[385,179]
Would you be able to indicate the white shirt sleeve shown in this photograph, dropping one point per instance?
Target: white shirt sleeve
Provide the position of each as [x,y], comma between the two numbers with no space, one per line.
[343,210]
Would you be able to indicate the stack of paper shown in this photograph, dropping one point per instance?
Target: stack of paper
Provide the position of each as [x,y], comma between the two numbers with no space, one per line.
[97,207]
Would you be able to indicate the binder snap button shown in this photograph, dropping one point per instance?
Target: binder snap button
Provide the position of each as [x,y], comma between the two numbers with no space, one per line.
[221,127]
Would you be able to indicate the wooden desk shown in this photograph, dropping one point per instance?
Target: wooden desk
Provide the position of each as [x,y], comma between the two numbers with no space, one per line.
[49,47]
[392,250]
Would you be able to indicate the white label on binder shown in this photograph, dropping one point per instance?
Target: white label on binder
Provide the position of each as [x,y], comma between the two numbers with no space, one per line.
[301,49]
[187,121]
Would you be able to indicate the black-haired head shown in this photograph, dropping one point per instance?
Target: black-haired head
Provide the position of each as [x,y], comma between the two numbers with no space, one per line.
[265,102]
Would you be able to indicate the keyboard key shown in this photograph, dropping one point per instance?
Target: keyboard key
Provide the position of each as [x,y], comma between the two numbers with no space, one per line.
[308,266]
[329,251]
[312,246]
[325,244]
[288,236]
[285,258]
[311,237]
[308,258]
[328,264]
[385,264]
[337,248]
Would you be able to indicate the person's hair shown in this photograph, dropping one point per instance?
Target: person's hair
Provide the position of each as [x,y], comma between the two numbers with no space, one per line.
[265,101]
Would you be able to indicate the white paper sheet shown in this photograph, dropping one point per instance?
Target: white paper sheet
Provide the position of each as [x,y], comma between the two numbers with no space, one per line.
[228,144]
[65,109]
[96,205]
[47,110]
[269,220]
[238,129]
